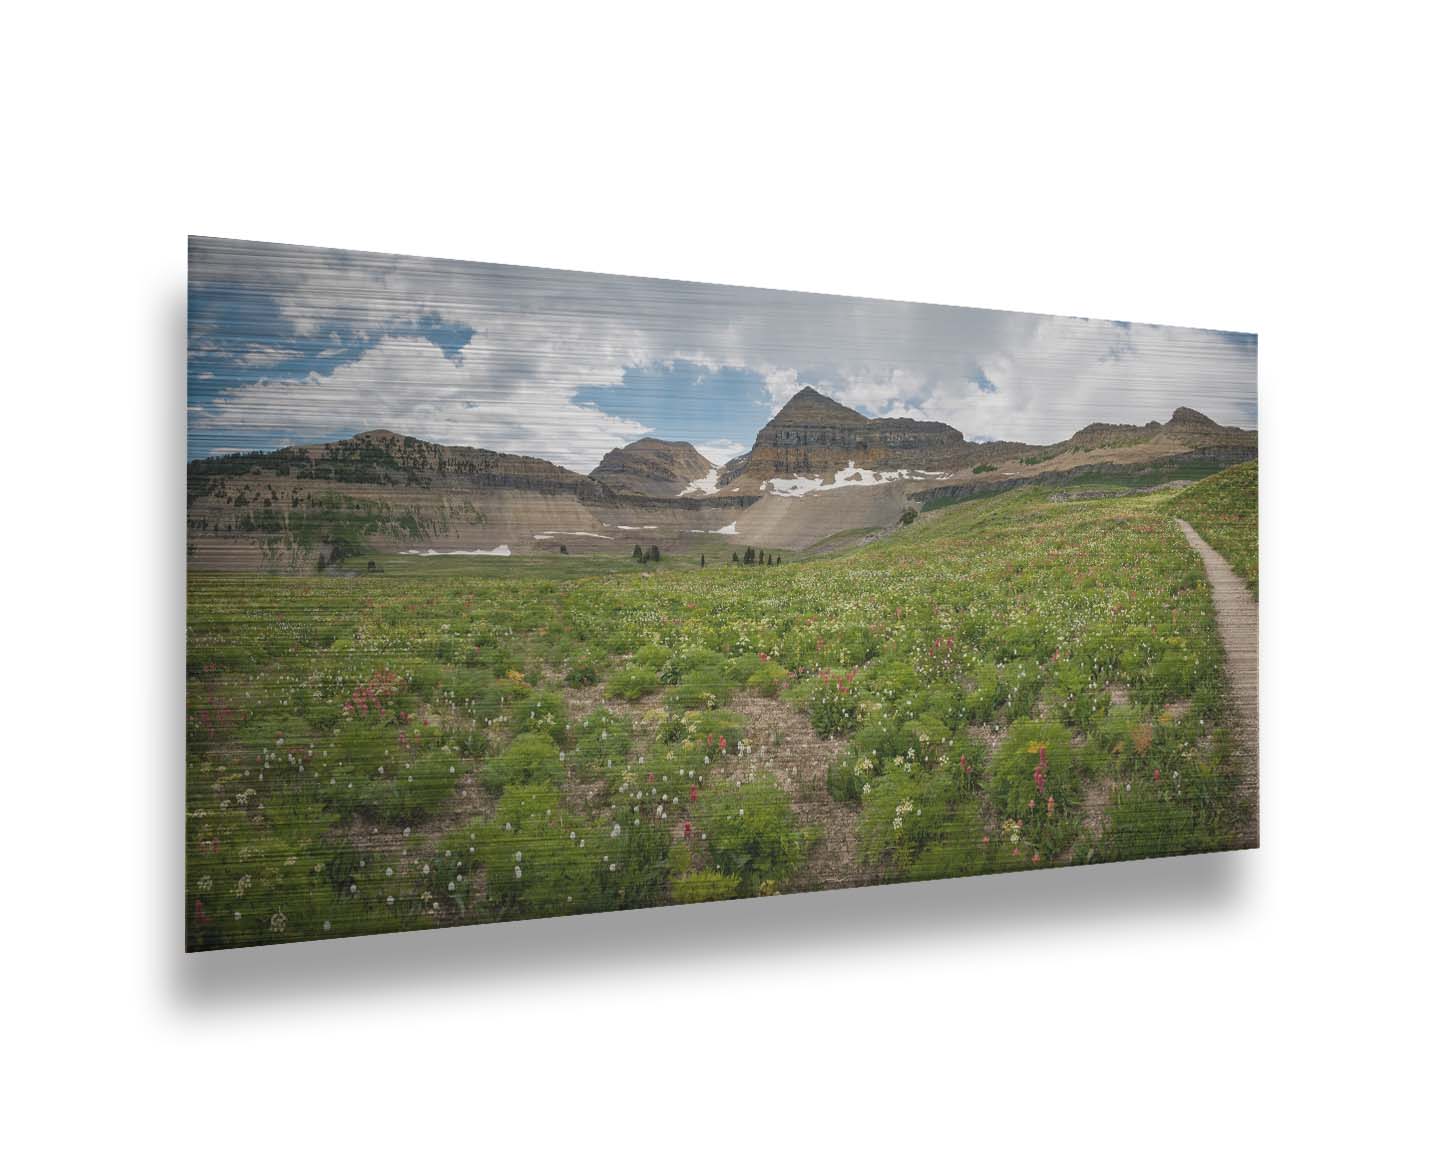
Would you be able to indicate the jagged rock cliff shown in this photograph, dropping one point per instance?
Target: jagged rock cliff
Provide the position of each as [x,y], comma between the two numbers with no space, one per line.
[815,436]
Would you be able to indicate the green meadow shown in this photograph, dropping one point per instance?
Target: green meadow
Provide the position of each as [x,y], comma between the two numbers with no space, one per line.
[1009,683]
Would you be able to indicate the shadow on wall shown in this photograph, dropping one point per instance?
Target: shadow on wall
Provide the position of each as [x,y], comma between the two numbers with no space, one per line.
[1028,907]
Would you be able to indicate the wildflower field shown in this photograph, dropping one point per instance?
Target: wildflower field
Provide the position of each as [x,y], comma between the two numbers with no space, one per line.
[1010,683]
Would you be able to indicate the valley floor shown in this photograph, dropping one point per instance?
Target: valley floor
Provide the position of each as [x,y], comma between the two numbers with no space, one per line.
[1009,683]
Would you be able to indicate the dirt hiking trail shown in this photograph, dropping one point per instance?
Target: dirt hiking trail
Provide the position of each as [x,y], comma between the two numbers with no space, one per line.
[1238,618]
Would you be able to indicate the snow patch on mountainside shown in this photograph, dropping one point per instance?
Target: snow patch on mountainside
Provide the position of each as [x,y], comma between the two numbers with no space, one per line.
[502,550]
[705,486]
[848,477]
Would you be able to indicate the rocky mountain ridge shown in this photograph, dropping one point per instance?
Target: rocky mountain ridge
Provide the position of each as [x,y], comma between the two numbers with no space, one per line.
[816,469]
[813,435]
[651,467]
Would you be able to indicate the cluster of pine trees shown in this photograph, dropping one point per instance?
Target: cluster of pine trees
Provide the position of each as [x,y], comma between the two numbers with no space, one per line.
[752,556]
[650,554]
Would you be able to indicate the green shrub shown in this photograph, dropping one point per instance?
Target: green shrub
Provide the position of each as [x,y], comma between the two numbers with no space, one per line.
[958,847]
[543,714]
[417,788]
[698,692]
[638,844]
[987,697]
[700,887]
[471,686]
[879,740]
[652,656]
[632,683]
[845,780]
[1074,700]
[602,740]
[1035,762]
[540,858]
[831,702]
[768,679]
[751,832]
[1147,818]
[924,739]
[454,862]
[739,669]
[583,669]
[705,729]
[254,877]
[529,759]
[900,813]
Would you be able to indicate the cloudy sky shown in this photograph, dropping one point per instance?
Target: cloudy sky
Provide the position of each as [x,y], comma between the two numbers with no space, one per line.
[293,345]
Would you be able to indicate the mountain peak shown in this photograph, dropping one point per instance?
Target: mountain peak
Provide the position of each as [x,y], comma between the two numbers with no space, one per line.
[1190,416]
[810,406]
[652,467]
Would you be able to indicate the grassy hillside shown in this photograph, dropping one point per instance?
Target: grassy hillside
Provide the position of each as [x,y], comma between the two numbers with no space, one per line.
[1007,684]
[1225,510]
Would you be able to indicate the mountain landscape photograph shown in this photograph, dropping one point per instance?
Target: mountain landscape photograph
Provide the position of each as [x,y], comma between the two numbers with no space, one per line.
[515,592]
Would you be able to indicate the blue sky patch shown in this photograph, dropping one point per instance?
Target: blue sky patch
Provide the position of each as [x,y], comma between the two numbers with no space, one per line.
[680,400]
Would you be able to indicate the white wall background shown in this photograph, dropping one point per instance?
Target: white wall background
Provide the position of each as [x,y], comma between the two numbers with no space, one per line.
[1212,165]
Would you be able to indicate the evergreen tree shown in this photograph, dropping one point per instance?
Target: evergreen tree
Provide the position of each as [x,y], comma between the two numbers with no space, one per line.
[702,559]
[637,554]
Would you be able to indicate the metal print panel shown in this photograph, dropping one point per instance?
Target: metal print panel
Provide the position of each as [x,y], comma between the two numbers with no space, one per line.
[520,593]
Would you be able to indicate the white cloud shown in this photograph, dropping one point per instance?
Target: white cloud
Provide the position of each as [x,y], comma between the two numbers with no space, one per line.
[781,383]
[407,385]
[721,451]
[1070,373]
[541,336]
